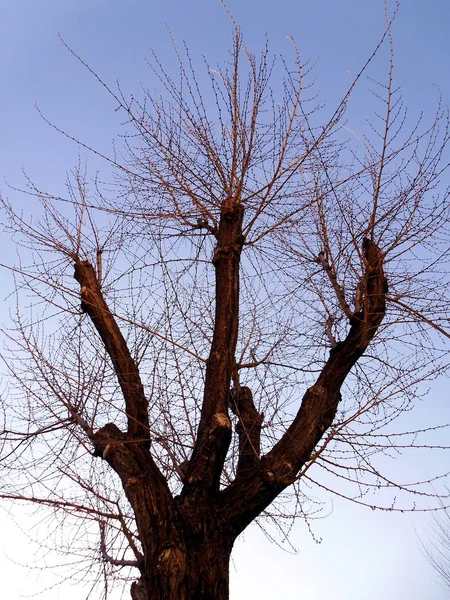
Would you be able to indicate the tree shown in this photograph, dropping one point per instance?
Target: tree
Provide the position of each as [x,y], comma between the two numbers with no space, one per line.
[254,299]
[437,550]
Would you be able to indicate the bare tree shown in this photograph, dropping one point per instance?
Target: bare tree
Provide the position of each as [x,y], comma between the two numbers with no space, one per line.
[437,547]
[256,297]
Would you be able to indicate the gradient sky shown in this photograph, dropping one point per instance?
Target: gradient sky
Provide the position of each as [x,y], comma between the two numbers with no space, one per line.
[364,554]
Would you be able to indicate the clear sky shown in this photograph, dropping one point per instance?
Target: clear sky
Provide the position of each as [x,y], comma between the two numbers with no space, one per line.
[364,554]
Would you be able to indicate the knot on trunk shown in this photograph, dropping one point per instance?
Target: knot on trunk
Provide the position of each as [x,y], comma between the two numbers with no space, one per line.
[172,562]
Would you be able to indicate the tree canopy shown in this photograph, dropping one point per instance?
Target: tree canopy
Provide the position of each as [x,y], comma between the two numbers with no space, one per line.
[243,312]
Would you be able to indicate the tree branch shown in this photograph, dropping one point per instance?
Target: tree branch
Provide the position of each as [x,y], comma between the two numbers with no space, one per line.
[115,561]
[214,432]
[94,304]
[248,429]
[280,466]
[144,485]
[322,259]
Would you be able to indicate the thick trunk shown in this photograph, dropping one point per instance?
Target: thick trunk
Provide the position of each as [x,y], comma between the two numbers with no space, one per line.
[185,545]
[198,571]
[186,542]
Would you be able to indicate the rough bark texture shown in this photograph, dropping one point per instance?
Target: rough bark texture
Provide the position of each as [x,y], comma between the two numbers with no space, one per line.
[93,303]
[248,429]
[186,541]
[214,432]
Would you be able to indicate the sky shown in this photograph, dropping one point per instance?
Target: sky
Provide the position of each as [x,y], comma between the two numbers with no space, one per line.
[363,554]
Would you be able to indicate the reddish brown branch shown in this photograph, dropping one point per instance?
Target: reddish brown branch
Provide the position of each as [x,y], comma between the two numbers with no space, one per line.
[117,562]
[279,468]
[248,429]
[94,304]
[322,259]
[144,485]
[214,432]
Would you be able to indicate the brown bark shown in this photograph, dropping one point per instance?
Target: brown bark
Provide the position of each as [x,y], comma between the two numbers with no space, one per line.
[185,550]
[194,572]
[252,492]
[186,541]
[185,547]
[248,429]
[214,431]
[94,304]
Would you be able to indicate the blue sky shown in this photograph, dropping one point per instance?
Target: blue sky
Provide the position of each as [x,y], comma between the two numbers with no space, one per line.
[364,555]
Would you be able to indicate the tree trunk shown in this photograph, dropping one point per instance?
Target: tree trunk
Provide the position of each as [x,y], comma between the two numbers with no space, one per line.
[199,571]
[185,544]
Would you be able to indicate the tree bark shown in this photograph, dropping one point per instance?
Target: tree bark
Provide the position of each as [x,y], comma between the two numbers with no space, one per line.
[214,430]
[185,544]
[186,541]
[197,571]
[252,491]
